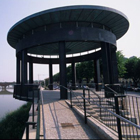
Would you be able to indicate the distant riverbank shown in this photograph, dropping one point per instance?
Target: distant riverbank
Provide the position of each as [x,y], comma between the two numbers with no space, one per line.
[5,92]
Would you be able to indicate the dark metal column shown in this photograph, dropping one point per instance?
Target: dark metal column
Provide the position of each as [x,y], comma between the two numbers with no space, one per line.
[114,66]
[18,69]
[105,63]
[97,74]
[73,75]
[30,72]
[50,76]
[24,67]
[62,63]
[110,70]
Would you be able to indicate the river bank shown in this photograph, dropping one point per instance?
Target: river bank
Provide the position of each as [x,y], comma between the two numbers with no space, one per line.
[8,104]
[5,92]
[13,124]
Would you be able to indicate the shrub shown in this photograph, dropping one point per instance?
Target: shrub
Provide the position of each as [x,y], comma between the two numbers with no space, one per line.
[13,124]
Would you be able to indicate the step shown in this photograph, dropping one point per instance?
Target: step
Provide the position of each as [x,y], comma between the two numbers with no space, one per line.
[105,106]
[131,118]
[88,108]
[124,112]
[111,118]
[131,137]
[81,104]
[94,115]
[104,114]
[109,123]
[102,110]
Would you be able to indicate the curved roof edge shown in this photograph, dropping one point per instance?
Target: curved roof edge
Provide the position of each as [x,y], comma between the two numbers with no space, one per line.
[69,8]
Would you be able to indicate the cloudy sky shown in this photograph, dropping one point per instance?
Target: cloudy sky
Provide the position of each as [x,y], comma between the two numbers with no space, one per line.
[11,11]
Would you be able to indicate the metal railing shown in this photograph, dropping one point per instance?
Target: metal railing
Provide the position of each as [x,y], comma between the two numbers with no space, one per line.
[33,123]
[110,111]
[38,121]
[120,112]
[43,118]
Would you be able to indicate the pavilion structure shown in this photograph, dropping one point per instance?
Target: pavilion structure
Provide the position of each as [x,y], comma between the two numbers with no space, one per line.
[63,35]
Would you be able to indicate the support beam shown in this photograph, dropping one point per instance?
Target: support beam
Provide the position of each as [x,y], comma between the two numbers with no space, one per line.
[114,66]
[30,72]
[24,67]
[18,69]
[110,71]
[97,79]
[106,63]
[62,63]
[73,75]
[4,88]
[50,76]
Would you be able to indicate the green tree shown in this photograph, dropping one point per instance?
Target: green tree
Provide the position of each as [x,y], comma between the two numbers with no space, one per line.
[85,70]
[56,77]
[132,69]
[69,73]
[138,68]
[121,64]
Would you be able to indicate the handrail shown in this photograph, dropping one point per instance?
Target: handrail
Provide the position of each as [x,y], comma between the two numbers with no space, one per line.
[38,120]
[44,128]
[94,92]
[114,114]
[72,92]
[111,89]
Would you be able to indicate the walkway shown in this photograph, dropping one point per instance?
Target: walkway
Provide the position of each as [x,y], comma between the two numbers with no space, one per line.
[61,122]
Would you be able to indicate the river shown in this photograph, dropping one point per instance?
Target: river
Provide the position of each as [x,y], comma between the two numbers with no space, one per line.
[8,103]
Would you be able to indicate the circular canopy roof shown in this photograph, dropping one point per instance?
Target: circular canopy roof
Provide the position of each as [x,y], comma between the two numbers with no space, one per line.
[116,21]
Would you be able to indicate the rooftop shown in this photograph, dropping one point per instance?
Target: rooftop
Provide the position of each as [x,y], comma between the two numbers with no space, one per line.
[83,15]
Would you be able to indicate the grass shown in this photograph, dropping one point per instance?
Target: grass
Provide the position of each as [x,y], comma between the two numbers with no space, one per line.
[13,124]
[5,92]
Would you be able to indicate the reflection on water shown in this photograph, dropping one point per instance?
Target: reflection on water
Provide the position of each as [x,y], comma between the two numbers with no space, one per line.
[8,103]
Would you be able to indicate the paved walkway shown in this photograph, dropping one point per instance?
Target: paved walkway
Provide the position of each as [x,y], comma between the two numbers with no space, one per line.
[61,122]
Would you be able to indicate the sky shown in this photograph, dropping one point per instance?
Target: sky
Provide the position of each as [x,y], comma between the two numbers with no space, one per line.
[11,11]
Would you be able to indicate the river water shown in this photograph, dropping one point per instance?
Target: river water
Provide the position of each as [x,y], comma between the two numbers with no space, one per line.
[8,103]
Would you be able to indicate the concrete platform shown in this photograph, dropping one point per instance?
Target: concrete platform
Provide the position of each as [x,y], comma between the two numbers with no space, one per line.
[62,122]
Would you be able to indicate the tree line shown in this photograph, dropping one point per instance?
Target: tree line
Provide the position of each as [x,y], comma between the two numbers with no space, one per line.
[127,68]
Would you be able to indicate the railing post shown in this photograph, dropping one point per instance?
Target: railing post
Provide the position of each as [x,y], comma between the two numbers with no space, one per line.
[100,108]
[118,120]
[33,109]
[38,94]
[71,98]
[89,94]
[84,105]
[27,128]
[27,131]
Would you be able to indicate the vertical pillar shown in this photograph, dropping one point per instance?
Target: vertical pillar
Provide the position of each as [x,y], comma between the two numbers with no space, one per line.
[50,76]
[30,72]
[18,69]
[110,71]
[24,67]
[3,88]
[62,63]
[97,74]
[106,63]
[73,75]
[114,66]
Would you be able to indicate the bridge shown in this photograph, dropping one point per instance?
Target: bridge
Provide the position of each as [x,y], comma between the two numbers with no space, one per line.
[5,84]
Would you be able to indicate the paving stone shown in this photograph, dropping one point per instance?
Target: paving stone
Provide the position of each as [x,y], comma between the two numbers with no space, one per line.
[61,121]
